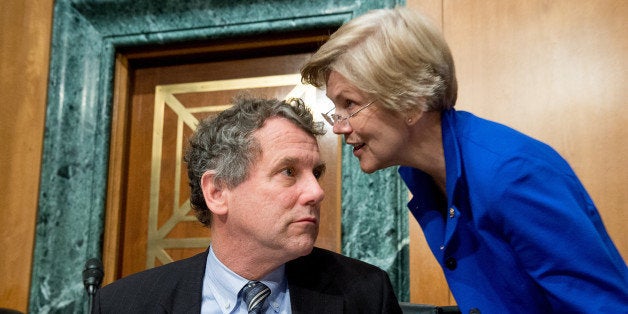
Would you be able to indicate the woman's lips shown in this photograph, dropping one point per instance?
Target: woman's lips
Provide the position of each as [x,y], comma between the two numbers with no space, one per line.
[357,147]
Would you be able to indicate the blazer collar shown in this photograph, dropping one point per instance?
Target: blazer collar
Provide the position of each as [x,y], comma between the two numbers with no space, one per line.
[189,289]
[311,291]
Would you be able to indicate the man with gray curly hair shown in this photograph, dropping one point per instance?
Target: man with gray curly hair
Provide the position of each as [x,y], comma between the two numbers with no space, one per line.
[254,173]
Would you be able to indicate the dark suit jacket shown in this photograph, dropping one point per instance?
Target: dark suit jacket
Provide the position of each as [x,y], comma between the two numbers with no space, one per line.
[321,282]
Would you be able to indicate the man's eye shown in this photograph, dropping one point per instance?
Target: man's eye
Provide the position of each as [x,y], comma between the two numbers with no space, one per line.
[289,172]
[318,172]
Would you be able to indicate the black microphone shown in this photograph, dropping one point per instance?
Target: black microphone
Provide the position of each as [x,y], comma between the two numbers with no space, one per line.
[92,275]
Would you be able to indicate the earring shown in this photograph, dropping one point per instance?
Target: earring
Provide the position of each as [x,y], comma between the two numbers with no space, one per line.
[409,120]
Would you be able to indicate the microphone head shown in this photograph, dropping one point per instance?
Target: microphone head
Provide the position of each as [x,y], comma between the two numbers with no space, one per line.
[92,274]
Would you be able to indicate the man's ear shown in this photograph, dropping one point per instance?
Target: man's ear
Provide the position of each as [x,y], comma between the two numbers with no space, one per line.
[214,194]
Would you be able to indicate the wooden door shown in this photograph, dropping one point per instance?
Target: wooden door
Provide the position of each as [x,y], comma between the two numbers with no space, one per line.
[160,98]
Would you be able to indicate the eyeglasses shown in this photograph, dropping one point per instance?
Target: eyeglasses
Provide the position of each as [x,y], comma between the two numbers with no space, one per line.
[334,119]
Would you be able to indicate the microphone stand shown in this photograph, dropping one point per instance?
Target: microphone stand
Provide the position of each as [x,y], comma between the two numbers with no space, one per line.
[92,278]
[90,300]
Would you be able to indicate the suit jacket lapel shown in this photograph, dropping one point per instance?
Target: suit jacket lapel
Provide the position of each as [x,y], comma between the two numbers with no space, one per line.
[304,300]
[189,287]
[311,290]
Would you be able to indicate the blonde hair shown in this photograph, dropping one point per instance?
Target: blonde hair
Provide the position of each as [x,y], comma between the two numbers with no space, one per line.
[395,55]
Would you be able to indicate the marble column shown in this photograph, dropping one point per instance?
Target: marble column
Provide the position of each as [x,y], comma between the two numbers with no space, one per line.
[375,220]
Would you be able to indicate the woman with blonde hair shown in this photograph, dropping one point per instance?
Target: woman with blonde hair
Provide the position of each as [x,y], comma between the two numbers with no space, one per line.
[505,216]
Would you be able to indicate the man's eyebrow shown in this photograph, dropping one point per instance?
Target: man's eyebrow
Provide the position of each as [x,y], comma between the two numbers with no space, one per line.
[289,161]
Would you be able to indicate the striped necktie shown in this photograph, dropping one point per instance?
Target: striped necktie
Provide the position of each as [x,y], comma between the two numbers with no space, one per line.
[254,294]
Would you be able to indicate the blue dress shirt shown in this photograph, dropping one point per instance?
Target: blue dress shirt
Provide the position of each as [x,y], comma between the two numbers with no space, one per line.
[517,232]
[221,288]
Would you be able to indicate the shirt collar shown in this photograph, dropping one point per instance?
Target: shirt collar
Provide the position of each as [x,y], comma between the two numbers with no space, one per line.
[225,285]
[451,150]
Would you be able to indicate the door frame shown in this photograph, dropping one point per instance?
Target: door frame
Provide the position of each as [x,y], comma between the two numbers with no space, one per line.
[126,63]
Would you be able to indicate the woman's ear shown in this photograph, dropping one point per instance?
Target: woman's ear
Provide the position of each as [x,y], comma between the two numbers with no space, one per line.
[214,194]
[414,114]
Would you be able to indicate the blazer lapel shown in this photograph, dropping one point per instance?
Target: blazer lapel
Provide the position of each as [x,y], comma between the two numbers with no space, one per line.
[304,300]
[312,290]
[189,287]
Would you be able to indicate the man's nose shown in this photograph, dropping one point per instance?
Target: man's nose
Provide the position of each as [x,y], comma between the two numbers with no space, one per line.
[314,192]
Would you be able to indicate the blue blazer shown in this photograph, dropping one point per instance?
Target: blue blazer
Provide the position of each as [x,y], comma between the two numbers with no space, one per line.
[321,282]
[517,232]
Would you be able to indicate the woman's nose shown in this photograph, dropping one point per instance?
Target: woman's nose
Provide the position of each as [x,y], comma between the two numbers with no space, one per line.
[342,127]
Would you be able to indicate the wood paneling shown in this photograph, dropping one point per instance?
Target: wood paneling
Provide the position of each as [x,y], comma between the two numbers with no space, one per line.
[554,70]
[25,27]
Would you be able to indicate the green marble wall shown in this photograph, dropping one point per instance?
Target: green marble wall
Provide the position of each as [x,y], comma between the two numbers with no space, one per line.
[375,220]
[86,35]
